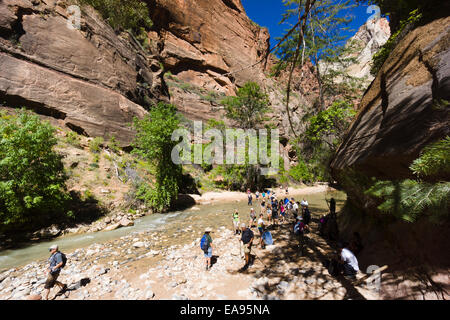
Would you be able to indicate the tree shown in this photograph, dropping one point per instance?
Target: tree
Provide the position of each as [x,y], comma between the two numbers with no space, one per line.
[153,142]
[248,108]
[32,177]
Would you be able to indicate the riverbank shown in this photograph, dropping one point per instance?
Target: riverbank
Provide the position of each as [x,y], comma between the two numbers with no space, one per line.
[148,265]
[139,266]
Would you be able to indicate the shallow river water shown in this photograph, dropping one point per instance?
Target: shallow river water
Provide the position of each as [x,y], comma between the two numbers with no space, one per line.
[181,226]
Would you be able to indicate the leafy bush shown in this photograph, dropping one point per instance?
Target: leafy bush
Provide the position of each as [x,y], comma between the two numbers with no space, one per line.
[247,109]
[32,178]
[131,15]
[434,160]
[154,143]
[95,144]
[301,172]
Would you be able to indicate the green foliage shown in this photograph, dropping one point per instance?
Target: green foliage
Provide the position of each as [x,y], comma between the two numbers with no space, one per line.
[301,172]
[96,144]
[410,199]
[73,139]
[331,122]
[131,15]
[434,160]
[380,57]
[248,108]
[32,178]
[153,143]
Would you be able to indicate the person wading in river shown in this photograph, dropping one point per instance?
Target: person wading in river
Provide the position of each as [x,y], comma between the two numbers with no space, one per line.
[236,222]
[247,240]
[57,262]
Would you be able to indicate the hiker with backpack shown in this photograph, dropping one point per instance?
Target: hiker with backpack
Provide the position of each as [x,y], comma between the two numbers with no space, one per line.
[57,261]
[247,240]
[250,198]
[306,215]
[206,246]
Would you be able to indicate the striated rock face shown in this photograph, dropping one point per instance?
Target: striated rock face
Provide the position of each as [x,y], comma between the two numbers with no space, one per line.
[404,109]
[92,79]
[202,40]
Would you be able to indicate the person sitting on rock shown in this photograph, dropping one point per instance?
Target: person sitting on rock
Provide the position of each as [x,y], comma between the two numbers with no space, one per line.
[57,262]
[247,240]
[348,261]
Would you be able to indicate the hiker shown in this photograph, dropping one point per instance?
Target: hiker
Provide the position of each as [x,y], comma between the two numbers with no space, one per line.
[57,261]
[257,195]
[263,206]
[261,229]
[299,230]
[206,246]
[236,221]
[332,206]
[304,203]
[287,190]
[295,207]
[348,262]
[264,195]
[252,217]
[269,213]
[250,199]
[306,215]
[282,212]
[247,240]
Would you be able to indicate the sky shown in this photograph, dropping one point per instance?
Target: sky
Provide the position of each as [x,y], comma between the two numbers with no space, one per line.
[268,13]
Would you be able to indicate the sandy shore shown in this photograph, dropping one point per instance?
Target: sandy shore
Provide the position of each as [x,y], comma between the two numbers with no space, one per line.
[211,197]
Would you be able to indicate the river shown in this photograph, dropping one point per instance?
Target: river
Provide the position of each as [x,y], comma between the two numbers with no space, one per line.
[183,226]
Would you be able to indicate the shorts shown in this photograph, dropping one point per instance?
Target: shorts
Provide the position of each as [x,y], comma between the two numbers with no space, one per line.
[261,230]
[208,254]
[247,248]
[51,280]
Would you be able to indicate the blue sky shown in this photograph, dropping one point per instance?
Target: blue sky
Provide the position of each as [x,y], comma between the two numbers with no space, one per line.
[268,13]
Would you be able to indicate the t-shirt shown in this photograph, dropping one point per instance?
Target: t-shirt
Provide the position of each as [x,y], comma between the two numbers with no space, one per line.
[54,260]
[252,214]
[295,206]
[235,216]
[304,203]
[260,222]
[348,257]
[247,235]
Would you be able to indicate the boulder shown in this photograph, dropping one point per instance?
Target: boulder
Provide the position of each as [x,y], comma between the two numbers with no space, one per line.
[126,222]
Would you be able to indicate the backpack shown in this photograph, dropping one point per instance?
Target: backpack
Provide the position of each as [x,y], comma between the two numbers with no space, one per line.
[64,259]
[204,243]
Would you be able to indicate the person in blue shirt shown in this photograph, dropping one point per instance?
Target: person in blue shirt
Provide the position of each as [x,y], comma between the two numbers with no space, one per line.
[56,263]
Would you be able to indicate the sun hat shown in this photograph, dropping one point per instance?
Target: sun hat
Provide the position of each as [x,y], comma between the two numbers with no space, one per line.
[208,230]
[53,247]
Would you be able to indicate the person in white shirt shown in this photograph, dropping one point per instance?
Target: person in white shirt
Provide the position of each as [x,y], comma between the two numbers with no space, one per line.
[348,260]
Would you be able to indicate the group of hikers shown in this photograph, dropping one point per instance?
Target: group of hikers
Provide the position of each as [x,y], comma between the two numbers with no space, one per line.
[273,212]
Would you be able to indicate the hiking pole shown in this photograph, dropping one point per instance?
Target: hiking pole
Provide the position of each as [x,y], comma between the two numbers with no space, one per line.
[260,259]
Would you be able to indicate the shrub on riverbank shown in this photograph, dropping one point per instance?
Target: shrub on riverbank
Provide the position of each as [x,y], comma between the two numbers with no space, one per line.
[32,177]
